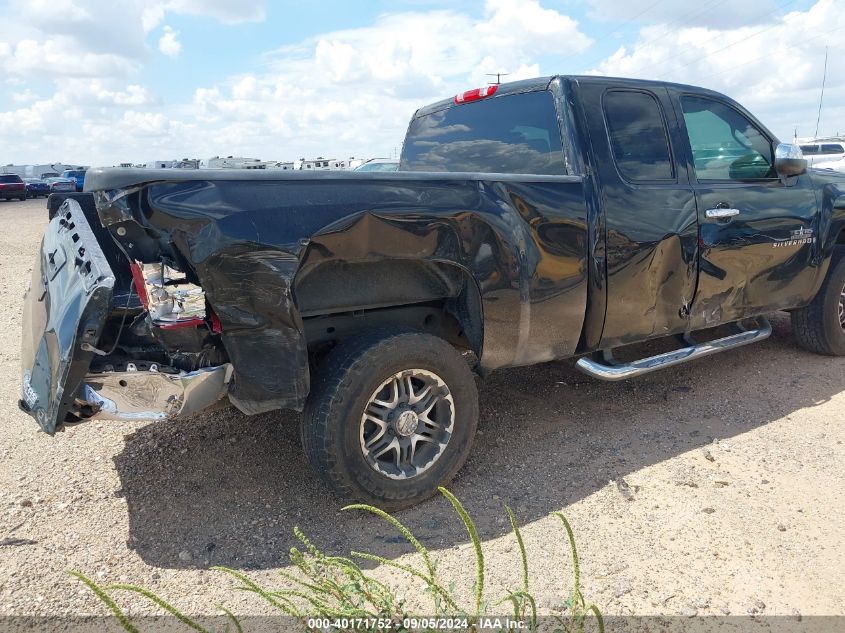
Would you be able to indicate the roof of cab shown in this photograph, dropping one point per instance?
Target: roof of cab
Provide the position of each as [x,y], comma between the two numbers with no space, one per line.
[542,83]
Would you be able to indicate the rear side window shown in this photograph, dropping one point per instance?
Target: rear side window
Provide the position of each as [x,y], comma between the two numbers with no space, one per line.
[638,137]
[10,178]
[832,149]
[809,150]
[514,134]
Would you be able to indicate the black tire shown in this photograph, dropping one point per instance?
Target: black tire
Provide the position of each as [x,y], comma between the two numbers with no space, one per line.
[22,198]
[817,327]
[342,385]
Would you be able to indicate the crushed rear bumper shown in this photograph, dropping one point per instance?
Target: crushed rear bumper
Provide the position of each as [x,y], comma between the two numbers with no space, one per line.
[145,393]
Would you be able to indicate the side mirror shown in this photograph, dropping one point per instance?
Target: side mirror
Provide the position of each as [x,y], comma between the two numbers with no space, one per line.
[789,160]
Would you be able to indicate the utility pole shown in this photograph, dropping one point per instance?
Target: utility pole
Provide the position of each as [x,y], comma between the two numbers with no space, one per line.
[821,96]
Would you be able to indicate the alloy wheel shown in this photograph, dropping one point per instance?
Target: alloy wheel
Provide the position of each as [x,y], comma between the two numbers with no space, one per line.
[842,308]
[407,423]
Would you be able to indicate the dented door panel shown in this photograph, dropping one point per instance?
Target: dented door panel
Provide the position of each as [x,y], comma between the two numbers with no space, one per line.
[650,227]
[760,260]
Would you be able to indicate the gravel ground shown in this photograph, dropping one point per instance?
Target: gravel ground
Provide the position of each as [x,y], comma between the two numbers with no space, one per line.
[713,488]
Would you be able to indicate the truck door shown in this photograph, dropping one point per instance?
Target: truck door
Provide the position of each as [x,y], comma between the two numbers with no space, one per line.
[757,231]
[648,208]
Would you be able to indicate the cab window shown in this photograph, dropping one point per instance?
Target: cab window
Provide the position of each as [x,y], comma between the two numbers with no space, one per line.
[638,136]
[725,144]
[512,134]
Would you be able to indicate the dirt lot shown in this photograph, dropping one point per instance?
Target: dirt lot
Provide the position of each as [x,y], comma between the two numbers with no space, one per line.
[713,488]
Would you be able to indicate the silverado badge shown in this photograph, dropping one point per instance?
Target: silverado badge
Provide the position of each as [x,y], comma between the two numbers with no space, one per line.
[798,237]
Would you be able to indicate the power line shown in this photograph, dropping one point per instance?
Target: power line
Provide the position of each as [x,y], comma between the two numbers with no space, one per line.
[741,41]
[604,36]
[783,48]
[629,20]
[679,23]
[721,34]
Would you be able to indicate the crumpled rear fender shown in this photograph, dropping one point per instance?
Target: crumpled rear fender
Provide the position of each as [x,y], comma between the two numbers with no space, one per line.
[246,282]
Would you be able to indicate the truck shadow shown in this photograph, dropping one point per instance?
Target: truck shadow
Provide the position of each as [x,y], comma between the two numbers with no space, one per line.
[227,489]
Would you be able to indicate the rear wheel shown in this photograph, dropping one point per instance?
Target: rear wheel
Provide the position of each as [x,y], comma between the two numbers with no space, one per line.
[391,416]
[820,327]
[22,198]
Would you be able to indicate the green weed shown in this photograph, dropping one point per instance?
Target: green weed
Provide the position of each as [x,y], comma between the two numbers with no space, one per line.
[336,587]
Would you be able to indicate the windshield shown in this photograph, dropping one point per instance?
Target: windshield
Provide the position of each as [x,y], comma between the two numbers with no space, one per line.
[379,167]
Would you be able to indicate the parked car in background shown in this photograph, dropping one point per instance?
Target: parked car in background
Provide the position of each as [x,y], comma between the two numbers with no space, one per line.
[36,187]
[60,184]
[77,176]
[816,153]
[836,165]
[379,164]
[12,186]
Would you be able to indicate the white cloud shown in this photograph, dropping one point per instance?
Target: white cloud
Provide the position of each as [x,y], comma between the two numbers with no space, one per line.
[225,11]
[87,51]
[134,95]
[352,91]
[60,58]
[348,92]
[774,69]
[27,96]
[169,43]
[99,38]
[720,14]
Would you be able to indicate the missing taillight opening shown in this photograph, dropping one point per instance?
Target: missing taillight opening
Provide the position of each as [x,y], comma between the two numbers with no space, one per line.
[169,298]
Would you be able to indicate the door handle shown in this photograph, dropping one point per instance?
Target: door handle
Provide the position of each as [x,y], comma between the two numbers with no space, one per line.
[721,214]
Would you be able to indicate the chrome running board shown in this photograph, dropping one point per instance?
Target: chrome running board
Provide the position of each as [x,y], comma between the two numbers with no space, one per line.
[611,370]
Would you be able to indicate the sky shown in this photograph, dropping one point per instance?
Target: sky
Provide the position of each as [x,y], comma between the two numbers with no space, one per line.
[100,82]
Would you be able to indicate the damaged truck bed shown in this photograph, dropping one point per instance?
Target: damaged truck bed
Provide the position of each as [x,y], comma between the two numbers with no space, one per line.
[532,221]
[259,264]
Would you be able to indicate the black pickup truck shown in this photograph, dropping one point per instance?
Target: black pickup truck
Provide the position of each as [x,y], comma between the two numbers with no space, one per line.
[531,221]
